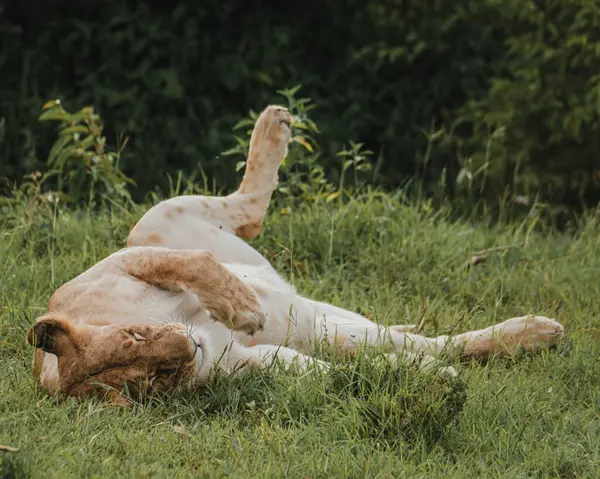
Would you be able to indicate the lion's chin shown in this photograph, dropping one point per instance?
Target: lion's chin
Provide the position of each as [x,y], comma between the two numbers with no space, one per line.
[121,385]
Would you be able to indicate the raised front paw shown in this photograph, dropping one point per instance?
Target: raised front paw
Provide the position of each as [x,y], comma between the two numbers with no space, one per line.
[279,123]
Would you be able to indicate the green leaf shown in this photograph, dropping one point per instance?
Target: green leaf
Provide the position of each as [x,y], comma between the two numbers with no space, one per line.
[243,124]
[232,151]
[301,140]
[171,85]
[72,130]
[50,104]
[55,114]
[56,149]
[333,196]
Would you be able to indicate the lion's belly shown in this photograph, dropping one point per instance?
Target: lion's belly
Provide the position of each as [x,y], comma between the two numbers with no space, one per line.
[289,320]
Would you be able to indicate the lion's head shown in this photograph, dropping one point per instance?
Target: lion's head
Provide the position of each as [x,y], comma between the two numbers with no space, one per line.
[105,360]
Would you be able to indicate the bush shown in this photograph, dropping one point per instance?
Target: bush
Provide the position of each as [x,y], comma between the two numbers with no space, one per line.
[489,99]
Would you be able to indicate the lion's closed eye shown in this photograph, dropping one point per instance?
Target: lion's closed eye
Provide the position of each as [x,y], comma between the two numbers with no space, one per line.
[130,335]
[137,336]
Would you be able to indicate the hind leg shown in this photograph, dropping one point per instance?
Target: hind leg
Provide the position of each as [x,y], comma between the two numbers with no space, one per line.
[349,331]
[216,224]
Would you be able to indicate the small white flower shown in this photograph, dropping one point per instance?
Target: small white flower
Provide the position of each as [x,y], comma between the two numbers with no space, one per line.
[52,198]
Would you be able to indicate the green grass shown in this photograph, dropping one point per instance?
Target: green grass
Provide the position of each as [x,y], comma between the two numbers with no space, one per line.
[537,416]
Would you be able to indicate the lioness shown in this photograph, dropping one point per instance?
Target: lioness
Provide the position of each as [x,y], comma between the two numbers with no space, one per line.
[188,296]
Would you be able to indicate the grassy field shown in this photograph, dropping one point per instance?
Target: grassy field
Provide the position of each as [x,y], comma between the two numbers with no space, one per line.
[538,416]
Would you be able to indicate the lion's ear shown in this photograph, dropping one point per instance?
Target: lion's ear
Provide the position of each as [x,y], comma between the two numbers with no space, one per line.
[52,334]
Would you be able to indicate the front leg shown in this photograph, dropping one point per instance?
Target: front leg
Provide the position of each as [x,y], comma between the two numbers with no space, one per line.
[264,355]
[222,293]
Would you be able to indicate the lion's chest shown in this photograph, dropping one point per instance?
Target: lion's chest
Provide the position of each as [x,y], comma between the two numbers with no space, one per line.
[117,299]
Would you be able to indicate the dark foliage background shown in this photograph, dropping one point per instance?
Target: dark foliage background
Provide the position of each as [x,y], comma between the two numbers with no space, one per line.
[491,98]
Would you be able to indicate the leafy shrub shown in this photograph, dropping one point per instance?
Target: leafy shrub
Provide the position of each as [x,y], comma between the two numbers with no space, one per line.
[536,129]
[482,99]
[79,171]
[79,160]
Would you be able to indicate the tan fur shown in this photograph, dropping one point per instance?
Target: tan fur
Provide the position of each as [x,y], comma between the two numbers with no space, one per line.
[155,239]
[188,297]
[227,298]
[112,356]
[249,231]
